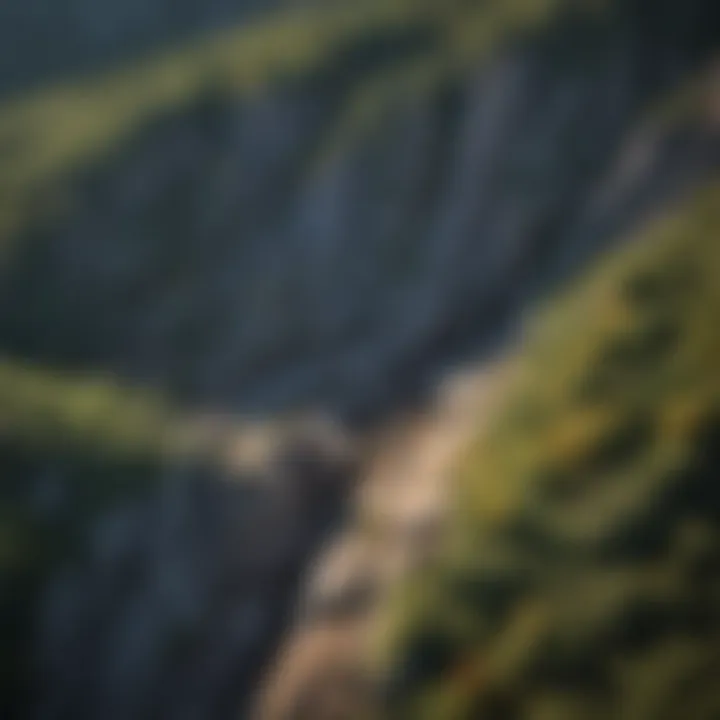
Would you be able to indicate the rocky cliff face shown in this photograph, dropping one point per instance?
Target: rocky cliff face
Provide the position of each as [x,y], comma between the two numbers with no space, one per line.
[315,209]
[308,241]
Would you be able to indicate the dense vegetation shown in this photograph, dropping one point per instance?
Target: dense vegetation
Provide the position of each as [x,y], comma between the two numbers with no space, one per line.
[580,579]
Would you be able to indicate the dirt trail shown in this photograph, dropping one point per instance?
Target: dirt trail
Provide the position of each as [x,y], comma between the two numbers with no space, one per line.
[399,510]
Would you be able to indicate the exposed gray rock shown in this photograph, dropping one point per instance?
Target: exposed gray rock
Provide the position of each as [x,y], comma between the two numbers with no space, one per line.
[233,256]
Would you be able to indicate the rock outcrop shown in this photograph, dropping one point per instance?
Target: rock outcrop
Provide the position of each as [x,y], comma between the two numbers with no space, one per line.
[324,208]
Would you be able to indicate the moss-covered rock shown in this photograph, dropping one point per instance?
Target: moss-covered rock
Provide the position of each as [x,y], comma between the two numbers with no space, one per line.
[44,408]
[580,577]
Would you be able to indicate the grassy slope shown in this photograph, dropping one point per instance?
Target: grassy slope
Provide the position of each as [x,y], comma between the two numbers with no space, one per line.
[49,135]
[45,409]
[580,580]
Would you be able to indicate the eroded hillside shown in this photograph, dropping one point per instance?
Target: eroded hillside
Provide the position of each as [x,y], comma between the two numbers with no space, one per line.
[317,208]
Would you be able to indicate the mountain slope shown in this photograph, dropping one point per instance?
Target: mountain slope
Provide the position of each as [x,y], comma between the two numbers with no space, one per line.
[335,236]
[579,578]
[324,208]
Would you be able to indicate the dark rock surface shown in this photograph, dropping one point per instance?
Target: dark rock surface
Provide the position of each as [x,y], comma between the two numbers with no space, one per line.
[267,250]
